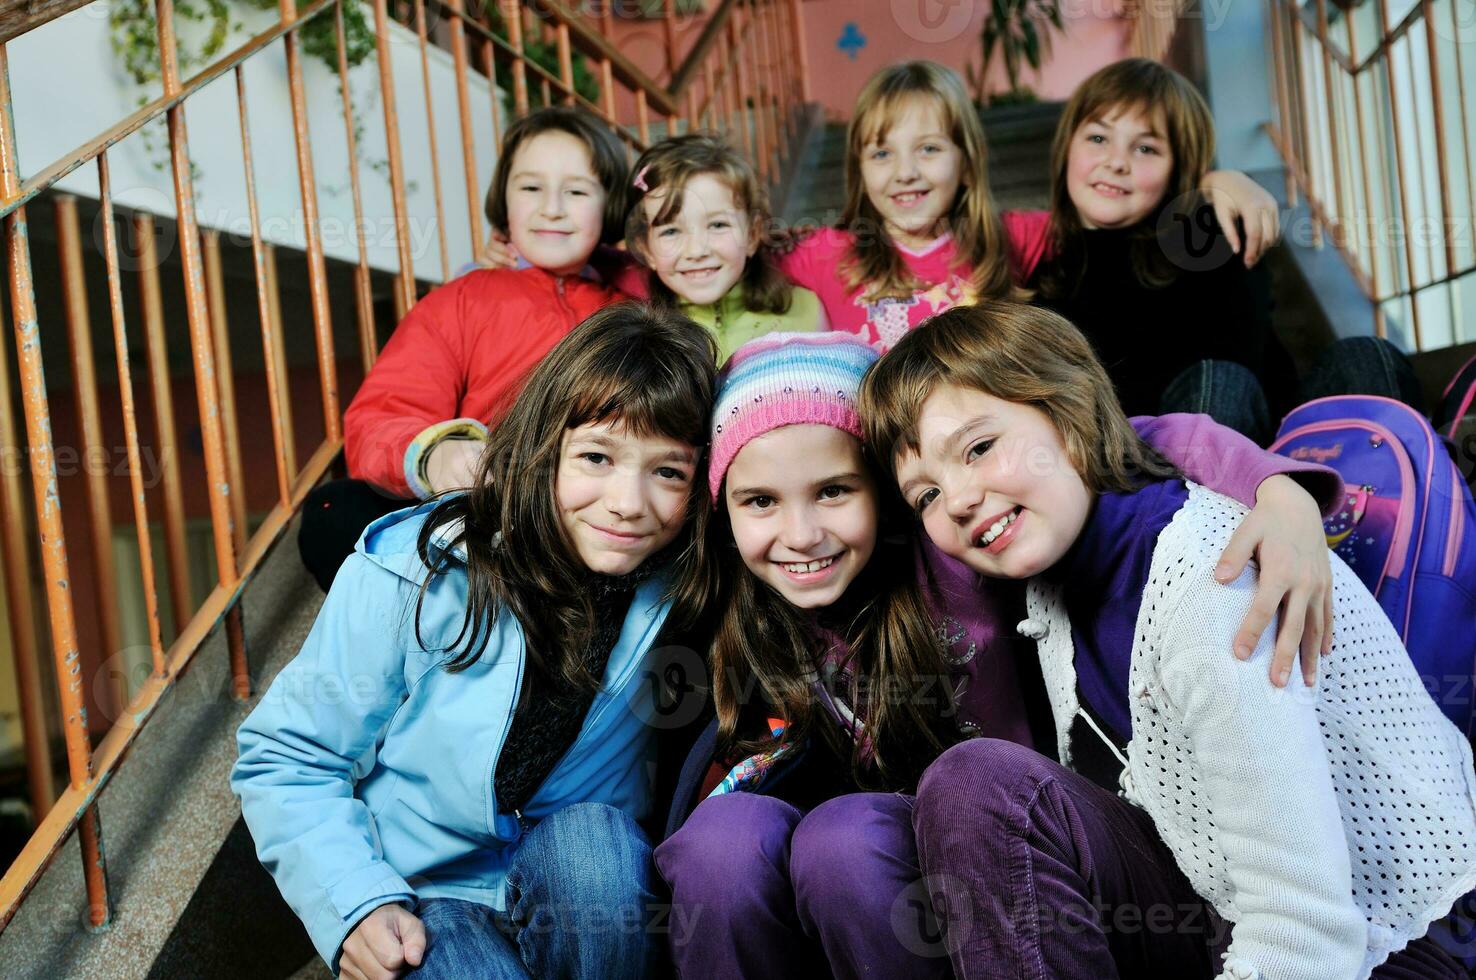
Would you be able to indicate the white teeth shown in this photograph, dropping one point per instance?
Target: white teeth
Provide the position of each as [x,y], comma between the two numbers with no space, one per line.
[995,529]
[800,567]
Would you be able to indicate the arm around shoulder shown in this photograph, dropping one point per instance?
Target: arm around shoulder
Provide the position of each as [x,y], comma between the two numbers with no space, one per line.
[1264,778]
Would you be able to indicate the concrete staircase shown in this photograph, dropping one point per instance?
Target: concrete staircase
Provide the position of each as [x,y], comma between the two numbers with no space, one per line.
[189,897]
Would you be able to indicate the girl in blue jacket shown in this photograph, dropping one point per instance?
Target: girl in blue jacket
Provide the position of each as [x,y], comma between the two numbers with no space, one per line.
[447,777]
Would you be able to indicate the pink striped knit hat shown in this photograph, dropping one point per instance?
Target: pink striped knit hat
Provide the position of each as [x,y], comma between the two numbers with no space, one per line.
[785,379]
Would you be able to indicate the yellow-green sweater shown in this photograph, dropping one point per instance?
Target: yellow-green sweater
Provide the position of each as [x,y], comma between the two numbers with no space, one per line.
[734,325]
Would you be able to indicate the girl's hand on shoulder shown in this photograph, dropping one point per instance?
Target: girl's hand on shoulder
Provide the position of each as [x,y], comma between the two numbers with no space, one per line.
[780,239]
[387,943]
[1285,534]
[498,253]
[1235,196]
[452,464]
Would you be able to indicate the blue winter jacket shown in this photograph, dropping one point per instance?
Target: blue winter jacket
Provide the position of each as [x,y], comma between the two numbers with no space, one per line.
[366,772]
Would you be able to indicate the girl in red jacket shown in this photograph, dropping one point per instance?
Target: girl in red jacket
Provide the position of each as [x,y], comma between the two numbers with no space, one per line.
[453,365]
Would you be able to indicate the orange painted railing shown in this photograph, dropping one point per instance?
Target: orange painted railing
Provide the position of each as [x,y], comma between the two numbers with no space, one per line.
[1374,123]
[743,74]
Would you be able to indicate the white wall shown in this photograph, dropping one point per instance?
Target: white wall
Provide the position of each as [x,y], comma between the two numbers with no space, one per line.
[68,85]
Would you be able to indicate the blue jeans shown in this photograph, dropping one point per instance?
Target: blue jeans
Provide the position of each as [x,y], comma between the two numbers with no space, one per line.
[578,891]
[1230,393]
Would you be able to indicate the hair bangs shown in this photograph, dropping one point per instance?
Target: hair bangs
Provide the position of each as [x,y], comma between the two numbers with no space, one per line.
[646,396]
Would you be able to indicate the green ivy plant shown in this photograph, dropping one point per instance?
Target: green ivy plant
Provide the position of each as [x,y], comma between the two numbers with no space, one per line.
[544,54]
[136,43]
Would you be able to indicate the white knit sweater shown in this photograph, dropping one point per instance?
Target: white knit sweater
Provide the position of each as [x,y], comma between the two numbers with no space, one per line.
[1331,826]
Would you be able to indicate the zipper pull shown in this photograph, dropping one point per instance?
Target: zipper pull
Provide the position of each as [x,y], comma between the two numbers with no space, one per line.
[522,820]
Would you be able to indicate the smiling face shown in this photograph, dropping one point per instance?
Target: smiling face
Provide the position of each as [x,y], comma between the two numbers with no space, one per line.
[804,511]
[1118,169]
[555,202]
[701,251]
[621,497]
[993,484]
[913,172]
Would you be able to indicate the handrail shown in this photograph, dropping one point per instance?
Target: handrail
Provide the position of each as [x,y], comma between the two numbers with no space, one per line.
[1350,185]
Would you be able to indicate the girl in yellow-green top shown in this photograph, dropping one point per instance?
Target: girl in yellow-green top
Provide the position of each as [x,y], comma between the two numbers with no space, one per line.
[696,221]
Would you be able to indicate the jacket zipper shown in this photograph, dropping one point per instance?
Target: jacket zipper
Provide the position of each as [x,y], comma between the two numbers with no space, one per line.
[497,756]
[559,292]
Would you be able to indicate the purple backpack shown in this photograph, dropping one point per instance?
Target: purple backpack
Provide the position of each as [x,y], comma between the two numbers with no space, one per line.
[1407,529]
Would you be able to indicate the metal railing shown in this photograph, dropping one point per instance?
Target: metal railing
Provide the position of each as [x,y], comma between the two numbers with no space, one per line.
[1373,121]
[743,74]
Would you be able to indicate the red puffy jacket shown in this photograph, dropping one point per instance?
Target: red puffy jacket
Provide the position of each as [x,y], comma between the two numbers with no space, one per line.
[462,352]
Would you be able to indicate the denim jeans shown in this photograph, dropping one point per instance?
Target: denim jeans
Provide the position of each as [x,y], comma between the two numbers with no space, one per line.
[578,895]
[1231,394]
[1225,391]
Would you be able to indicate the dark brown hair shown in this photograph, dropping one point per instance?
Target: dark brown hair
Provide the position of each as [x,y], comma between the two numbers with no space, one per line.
[982,248]
[606,155]
[653,370]
[1016,353]
[897,679]
[666,168]
[1163,95]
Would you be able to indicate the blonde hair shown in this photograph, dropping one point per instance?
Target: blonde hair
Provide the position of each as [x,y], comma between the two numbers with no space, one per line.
[1017,353]
[1161,94]
[873,262]
[668,166]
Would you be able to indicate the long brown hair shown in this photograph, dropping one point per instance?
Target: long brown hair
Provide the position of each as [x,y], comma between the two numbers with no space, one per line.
[982,248]
[1161,94]
[667,167]
[1017,353]
[897,678]
[653,370]
[606,155]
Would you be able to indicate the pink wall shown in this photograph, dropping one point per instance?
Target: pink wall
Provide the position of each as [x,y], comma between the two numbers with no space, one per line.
[946,31]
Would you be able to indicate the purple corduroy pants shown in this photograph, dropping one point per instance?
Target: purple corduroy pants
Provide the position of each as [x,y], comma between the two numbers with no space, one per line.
[762,889]
[1039,874]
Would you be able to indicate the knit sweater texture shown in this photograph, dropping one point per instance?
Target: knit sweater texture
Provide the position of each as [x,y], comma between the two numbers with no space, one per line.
[1330,825]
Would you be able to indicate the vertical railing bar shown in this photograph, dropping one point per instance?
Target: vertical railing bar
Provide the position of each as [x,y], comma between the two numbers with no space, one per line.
[668,30]
[69,676]
[16,557]
[1442,158]
[197,314]
[220,331]
[740,86]
[1303,153]
[779,110]
[512,19]
[542,27]
[430,128]
[607,70]
[1332,111]
[1414,307]
[759,94]
[312,230]
[710,99]
[405,280]
[89,419]
[1367,210]
[489,66]
[279,354]
[801,53]
[1455,28]
[363,295]
[643,116]
[130,418]
[566,62]
[1278,44]
[271,323]
[152,306]
[468,136]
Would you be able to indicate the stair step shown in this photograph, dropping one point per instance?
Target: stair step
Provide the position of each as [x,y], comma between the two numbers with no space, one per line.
[168,809]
